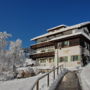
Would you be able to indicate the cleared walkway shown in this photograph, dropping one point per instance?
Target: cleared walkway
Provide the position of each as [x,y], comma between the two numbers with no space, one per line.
[69,82]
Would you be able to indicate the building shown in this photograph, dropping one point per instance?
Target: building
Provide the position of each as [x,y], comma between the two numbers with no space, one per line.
[69,45]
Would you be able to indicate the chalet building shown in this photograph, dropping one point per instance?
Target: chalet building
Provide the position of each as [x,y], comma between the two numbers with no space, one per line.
[69,45]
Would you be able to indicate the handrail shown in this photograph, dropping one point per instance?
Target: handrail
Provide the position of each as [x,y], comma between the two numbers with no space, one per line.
[47,74]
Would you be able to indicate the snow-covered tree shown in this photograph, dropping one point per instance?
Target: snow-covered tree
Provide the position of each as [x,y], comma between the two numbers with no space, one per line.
[12,55]
[3,44]
[17,53]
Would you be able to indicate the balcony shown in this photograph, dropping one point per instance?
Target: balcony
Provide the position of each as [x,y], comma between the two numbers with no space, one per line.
[43,50]
[44,44]
[41,55]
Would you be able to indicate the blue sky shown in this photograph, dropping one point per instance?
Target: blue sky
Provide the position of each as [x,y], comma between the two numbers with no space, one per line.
[26,19]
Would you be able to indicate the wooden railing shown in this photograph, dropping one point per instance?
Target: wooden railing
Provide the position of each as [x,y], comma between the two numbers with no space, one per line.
[40,55]
[55,71]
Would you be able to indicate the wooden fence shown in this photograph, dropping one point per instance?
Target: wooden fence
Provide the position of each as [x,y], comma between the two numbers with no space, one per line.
[55,71]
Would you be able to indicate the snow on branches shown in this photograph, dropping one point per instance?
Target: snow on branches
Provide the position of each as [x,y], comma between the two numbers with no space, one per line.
[11,53]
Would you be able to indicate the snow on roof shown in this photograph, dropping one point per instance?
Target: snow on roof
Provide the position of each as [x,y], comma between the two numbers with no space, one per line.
[57,38]
[63,29]
[59,26]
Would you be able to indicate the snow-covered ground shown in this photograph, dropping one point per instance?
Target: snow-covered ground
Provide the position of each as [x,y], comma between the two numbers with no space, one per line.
[19,84]
[27,83]
[85,77]
[52,82]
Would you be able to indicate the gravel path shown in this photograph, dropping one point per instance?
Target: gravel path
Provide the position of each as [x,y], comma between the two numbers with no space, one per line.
[69,82]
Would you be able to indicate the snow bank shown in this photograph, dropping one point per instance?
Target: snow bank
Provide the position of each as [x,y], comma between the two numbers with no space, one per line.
[85,77]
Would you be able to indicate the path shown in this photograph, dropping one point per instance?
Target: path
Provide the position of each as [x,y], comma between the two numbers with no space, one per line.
[69,82]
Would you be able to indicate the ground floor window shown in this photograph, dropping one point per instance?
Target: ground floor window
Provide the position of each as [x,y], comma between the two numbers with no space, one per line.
[50,59]
[64,59]
[42,60]
[75,58]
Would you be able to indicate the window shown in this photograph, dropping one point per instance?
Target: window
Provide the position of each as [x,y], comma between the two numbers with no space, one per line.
[75,58]
[60,45]
[50,60]
[74,42]
[66,43]
[64,33]
[60,34]
[42,60]
[42,51]
[67,32]
[64,59]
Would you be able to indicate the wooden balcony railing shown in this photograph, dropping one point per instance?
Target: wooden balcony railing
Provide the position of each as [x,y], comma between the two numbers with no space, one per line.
[40,55]
[44,44]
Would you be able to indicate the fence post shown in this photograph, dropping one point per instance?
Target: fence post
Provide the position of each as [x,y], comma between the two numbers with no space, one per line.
[61,68]
[37,86]
[57,70]
[48,80]
[54,74]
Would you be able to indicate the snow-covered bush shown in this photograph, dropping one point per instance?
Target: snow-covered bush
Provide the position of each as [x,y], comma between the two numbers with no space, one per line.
[36,70]
[29,62]
[25,72]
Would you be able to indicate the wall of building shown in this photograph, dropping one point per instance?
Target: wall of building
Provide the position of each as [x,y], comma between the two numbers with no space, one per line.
[68,52]
[74,50]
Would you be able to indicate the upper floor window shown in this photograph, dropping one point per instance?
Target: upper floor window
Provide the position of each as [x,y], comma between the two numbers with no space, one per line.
[75,58]
[60,34]
[67,32]
[74,42]
[66,43]
[64,59]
